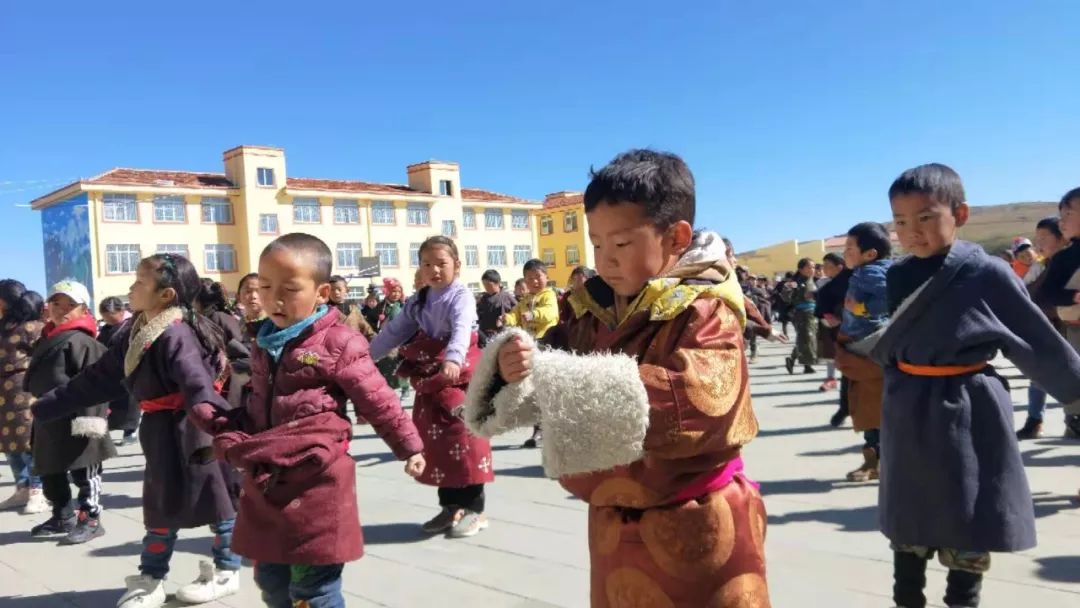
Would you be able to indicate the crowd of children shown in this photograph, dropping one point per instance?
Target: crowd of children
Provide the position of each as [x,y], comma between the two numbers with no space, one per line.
[245,428]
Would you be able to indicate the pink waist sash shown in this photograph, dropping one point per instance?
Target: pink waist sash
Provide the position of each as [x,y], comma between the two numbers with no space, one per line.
[712,481]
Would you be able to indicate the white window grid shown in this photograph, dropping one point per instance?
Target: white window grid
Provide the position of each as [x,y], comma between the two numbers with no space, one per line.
[216,210]
[472,256]
[265,176]
[547,226]
[548,257]
[306,211]
[120,208]
[573,257]
[468,218]
[349,254]
[122,259]
[570,221]
[449,228]
[496,255]
[382,213]
[170,209]
[522,254]
[446,187]
[414,255]
[493,219]
[268,223]
[220,258]
[346,212]
[519,220]
[179,249]
[387,253]
[418,214]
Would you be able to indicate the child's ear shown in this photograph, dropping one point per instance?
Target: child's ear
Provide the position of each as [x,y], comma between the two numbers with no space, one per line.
[322,293]
[681,234]
[168,296]
[961,213]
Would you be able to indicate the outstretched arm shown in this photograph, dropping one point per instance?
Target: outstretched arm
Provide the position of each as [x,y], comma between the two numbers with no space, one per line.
[394,334]
[100,382]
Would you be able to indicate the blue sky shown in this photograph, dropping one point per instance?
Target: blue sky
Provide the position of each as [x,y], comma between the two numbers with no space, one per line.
[794,116]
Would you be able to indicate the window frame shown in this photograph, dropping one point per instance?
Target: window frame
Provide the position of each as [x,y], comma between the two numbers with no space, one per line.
[414,255]
[339,249]
[453,228]
[217,249]
[446,187]
[259,177]
[383,206]
[138,257]
[134,202]
[346,204]
[307,205]
[277,223]
[567,217]
[218,202]
[494,249]
[519,213]
[379,253]
[186,253]
[490,213]
[527,249]
[424,208]
[474,249]
[548,260]
[468,212]
[172,203]
[576,261]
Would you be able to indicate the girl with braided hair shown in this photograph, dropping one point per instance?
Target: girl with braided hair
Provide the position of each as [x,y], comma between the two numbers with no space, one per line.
[171,359]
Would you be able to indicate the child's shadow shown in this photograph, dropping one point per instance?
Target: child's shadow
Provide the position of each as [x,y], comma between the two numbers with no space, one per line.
[863,519]
[394,534]
[370,460]
[1065,569]
[87,599]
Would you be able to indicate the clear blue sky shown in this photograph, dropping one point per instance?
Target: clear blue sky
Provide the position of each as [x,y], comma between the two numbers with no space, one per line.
[794,116]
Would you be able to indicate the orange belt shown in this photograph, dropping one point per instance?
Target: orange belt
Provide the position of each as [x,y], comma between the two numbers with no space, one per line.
[940,371]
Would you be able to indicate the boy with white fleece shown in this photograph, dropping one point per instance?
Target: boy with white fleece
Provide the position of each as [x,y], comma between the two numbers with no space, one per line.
[650,431]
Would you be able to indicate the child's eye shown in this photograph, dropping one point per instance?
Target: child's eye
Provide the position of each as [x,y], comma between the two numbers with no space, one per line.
[620,245]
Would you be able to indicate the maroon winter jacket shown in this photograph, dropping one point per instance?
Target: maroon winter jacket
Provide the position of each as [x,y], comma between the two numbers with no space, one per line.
[298,503]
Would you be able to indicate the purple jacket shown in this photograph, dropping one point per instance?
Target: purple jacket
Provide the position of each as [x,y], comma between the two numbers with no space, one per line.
[447,314]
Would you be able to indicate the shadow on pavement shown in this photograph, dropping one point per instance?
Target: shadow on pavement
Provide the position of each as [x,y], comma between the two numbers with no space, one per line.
[1031,459]
[854,448]
[813,391]
[1047,504]
[23,536]
[799,430]
[126,475]
[82,599]
[1061,569]
[394,534]
[120,501]
[532,470]
[198,546]
[799,486]
[863,519]
[370,460]
[834,400]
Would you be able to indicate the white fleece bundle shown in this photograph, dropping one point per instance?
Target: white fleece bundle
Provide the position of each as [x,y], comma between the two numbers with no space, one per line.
[593,408]
[89,426]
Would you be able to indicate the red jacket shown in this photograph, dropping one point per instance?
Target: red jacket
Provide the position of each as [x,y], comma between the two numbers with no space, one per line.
[298,503]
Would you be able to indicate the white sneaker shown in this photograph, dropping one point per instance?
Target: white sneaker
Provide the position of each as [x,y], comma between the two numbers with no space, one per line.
[211,585]
[143,591]
[36,503]
[17,500]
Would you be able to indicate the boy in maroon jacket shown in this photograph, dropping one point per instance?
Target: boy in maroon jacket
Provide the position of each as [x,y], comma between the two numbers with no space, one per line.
[298,515]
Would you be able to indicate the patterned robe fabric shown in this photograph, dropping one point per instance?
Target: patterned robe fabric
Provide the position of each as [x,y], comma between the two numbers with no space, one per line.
[455,457]
[866,381]
[16,346]
[649,547]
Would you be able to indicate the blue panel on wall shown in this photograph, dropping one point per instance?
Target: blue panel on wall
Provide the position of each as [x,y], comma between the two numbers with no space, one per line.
[65,228]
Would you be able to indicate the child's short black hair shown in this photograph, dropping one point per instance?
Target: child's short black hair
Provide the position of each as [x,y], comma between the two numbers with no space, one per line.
[834,259]
[337,278]
[535,265]
[803,263]
[1051,225]
[298,242]
[660,182]
[519,282]
[872,235]
[492,276]
[1069,197]
[935,180]
[111,304]
[583,271]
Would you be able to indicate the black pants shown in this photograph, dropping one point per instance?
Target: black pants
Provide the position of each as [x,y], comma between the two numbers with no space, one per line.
[470,498]
[909,574]
[58,491]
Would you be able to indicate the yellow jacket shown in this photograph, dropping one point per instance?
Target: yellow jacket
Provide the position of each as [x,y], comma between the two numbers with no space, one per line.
[545,310]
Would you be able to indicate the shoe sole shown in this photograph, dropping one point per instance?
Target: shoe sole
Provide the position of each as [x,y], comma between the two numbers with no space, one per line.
[68,541]
[478,530]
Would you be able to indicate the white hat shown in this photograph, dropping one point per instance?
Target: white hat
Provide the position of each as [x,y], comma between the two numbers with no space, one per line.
[72,289]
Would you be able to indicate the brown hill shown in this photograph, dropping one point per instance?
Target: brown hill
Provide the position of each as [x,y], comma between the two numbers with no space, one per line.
[995,226]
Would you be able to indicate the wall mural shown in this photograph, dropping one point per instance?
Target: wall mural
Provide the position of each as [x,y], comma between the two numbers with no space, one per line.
[65,228]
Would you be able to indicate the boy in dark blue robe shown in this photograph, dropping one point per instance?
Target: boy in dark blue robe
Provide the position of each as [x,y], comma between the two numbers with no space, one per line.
[952,481]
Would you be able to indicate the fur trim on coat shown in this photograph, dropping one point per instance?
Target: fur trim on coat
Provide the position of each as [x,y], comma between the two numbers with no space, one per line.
[89,426]
[593,408]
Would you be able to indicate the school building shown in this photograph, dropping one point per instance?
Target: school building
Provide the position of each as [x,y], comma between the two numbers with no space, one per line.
[97,229]
[563,235]
[777,259]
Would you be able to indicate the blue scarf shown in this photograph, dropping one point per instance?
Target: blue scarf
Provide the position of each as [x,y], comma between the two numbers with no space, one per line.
[273,340]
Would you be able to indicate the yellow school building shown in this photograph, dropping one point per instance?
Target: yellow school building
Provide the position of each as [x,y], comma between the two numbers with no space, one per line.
[97,229]
[562,237]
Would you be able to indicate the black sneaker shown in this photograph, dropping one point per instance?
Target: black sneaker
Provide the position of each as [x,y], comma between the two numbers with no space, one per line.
[838,418]
[537,440]
[87,528]
[1072,427]
[1032,429]
[54,526]
[808,370]
[789,363]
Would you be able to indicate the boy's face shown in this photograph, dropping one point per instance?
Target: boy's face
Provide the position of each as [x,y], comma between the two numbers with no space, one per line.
[1070,219]
[287,287]
[535,281]
[924,226]
[577,282]
[855,257]
[807,271]
[491,288]
[113,317]
[438,267]
[519,289]
[1027,256]
[63,309]
[630,249]
[1047,243]
[831,269]
[338,292]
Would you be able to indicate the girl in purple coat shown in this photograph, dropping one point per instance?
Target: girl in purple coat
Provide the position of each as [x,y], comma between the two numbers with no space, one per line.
[169,359]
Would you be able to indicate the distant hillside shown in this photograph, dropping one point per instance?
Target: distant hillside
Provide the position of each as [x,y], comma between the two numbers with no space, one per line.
[995,226]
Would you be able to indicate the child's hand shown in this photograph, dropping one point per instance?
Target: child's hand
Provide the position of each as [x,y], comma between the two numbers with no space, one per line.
[778,337]
[415,465]
[515,361]
[1076,298]
[451,371]
[527,316]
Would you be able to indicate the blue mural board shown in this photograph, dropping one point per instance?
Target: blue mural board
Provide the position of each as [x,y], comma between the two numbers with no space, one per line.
[65,230]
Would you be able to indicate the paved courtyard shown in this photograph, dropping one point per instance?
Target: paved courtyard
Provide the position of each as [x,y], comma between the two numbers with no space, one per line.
[823,547]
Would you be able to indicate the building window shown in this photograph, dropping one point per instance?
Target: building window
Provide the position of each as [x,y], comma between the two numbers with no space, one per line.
[472,256]
[268,223]
[548,257]
[496,255]
[522,254]
[122,259]
[356,294]
[220,258]
[573,258]
[474,287]
[216,210]
[382,213]
[546,225]
[120,208]
[306,211]
[449,228]
[170,209]
[493,219]
[418,214]
[446,187]
[349,254]
[519,220]
[266,176]
[346,212]
[414,255]
[570,221]
[387,253]
[468,219]
[174,249]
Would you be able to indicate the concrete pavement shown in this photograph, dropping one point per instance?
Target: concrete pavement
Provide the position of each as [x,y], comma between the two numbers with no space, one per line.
[823,547]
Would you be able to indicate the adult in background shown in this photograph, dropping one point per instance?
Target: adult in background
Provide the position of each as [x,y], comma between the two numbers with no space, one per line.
[830,313]
[20,328]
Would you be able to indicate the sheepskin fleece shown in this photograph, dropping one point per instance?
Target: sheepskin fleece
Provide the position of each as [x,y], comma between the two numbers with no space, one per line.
[89,426]
[596,421]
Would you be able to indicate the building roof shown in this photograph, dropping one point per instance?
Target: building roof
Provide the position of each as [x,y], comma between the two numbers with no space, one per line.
[563,199]
[192,179]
